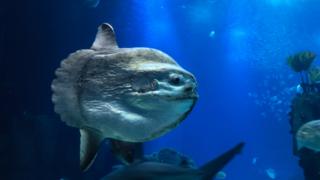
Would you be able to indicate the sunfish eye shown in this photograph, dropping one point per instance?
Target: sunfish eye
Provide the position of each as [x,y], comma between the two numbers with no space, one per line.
[175,79]
[154,84]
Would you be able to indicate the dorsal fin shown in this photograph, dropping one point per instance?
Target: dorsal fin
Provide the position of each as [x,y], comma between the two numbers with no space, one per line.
[89,144]
[105,38]
[214,166]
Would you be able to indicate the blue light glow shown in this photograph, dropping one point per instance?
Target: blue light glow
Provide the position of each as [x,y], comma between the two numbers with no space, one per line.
[282,2]
[238,33]
[156,21]
[201,12]
[238,43]
[317,39]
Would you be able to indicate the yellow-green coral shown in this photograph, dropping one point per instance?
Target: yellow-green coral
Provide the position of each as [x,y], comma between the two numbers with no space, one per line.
[301,61]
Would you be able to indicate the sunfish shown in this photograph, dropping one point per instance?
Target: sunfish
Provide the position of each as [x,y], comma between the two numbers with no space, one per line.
[127,94]
[308,136]
[148,170]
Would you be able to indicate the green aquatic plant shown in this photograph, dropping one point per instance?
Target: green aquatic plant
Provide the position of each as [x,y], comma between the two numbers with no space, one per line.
[301,61]
[314,74]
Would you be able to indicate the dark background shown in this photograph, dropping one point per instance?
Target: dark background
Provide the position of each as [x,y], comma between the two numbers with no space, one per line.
[34,36]
[246,56]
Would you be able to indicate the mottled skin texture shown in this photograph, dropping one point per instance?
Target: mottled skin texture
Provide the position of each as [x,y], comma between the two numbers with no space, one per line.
[309,136]
[118,93]
[127,94]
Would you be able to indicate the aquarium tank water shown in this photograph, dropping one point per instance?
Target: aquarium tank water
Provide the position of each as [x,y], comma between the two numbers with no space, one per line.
[221,89]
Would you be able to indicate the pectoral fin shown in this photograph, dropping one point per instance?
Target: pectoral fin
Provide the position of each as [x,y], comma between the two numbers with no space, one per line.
[89,145]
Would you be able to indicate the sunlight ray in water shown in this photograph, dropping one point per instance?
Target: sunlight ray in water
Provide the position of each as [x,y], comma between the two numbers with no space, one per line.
[156,20]
[278,3]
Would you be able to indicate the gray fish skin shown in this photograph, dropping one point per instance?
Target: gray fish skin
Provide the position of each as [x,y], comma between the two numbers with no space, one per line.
[127,94]
[162,171]
[308,136]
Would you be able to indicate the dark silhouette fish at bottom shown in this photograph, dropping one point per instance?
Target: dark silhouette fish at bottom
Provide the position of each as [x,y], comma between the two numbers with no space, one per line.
[146,170]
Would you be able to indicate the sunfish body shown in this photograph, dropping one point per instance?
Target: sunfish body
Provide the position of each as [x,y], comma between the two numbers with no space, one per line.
[162,171]
[308,136]
[128,94]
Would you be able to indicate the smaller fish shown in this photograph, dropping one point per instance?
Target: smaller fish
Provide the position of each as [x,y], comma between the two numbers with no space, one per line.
[147,170]
[299,89]
[308,136]
[221,175]
[254,160]
[212,34]
[271,173]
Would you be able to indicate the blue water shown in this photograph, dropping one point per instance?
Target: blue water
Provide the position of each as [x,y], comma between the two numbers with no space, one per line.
[235,48]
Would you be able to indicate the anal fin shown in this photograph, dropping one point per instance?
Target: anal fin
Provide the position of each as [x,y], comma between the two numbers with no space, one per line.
[126,152]
[89,145]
